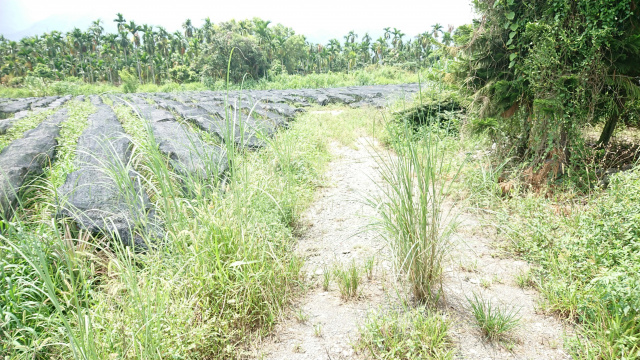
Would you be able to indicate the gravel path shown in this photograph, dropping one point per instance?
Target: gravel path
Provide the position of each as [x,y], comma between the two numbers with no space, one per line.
[335,235]
[325,326]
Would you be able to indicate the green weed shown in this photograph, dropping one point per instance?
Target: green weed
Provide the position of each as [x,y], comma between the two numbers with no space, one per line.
[494,321]
[23,125]
[413,334]
[326,278]
[348,278]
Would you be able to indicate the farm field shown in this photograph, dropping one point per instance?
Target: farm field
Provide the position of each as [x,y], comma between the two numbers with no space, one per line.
[235,189]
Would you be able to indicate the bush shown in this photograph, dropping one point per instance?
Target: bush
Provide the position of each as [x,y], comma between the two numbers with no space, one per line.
[182,74]
[129,81]
[42,71]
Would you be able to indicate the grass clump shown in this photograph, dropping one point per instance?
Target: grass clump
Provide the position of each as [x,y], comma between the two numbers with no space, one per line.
[414,334]
[348,278]
[326,278]
[412,214]
[494,321]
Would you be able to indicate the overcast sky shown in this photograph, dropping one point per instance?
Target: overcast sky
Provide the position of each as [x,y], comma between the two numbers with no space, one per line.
[318,20]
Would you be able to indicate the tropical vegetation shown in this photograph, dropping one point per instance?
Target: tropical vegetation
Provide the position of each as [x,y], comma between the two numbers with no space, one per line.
[257,49]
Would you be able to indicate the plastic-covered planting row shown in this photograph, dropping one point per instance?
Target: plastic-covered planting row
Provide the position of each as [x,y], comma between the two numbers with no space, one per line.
[104,196]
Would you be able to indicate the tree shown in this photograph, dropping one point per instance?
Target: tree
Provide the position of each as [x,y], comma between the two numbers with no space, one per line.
[548,70]
[436,29]
[188,29]
[133,29]
[120,21]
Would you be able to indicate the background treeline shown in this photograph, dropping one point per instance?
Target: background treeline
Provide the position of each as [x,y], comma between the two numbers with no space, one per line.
[156,56]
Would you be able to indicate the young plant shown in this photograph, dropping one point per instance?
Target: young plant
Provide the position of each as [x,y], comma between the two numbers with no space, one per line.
[368,267]
[348,280]
[494,321]
[525,279]
[301,316]
[326,278]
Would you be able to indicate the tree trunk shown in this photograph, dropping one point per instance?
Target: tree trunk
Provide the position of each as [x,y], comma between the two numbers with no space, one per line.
[609,127]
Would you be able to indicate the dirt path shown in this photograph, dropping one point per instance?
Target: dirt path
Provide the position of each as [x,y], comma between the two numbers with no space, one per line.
[325,326]
[478,268]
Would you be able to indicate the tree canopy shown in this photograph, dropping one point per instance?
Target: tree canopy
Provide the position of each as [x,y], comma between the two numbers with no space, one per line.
[155,55]
[546,68]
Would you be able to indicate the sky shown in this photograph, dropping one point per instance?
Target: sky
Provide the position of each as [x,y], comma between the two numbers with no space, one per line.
[318,20]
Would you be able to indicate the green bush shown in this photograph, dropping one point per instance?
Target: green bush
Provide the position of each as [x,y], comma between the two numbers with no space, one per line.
[182,74]
[42,71]
[130,82]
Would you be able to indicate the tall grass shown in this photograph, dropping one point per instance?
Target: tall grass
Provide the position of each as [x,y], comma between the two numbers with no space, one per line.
[413,216]
[220,274]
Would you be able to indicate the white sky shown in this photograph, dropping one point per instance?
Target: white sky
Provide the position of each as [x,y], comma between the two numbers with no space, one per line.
[319,20]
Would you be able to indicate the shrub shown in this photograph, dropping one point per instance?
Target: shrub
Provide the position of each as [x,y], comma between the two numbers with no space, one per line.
[129,81]
[182,74]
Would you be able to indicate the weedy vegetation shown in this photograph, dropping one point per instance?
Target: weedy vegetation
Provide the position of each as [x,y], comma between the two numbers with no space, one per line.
[495,322]
[417,333]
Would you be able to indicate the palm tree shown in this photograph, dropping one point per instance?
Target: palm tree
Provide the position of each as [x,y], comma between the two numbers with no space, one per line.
[364,47]
[188,29]
[447,39]
[262,30]
[133,29]
[350,37]
[379,47]
[435,29]
[207,30]
[334,49]
[96,32]
[397,38]
[121,22]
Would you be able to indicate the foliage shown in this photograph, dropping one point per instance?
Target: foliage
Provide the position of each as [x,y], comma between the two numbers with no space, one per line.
[494,321]
[152,52]
[181,74]
[548,68]
[129,82]
[42,71]
[247,58]
[437,108]
[414,334]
